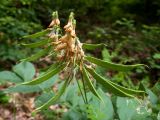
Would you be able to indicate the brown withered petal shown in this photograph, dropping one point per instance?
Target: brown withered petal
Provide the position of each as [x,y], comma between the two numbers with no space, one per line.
[73,34]
[60,58]
[69,29]
[60,47]
[57,22]
[52,23]
[56,43]
[68,25]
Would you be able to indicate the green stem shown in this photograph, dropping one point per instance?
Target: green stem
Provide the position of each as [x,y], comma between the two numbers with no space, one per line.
[84,88]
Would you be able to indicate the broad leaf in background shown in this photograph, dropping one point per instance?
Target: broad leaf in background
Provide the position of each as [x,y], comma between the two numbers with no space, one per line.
[54,98]
[158,116]
[131,109]
[43,98]
[9,76]
[103,109]
[68,96]
[152,97]
[25,70]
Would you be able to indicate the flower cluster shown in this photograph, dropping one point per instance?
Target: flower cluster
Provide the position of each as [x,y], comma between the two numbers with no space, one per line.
[67,47]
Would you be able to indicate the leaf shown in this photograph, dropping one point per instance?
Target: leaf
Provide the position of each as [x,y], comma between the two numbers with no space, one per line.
[89,84]
[38,34]
[127,90]
[110,87]
[158,116]
[71,91]
[40,100]
[103,110]
[45,76]
[131,109]
[92,46]
[53,66]
[105,54]
[74,114]
[9,76]
[152,96]
[37,55]
[112,66]
[156,56]
[54,98]
[25,70]
[28,89]
[37,44]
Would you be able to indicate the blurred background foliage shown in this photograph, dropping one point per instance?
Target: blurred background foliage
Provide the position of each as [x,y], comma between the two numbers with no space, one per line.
[130,28]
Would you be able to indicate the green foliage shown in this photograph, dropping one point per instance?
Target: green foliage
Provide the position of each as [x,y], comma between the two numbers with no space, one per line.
[15,23]
[72,61]
[24,72]
[132,110]
[4,98]
[128,42]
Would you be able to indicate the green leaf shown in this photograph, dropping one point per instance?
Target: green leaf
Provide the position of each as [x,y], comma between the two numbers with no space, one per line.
[10,76]
[127,90]
[89,83]
[156,56]
[45,76]
[110,87]
[131,109]
[71,91]
[158,116]
[37,55]
[112,66]
[25,70]
[53,66]
[38,34]
[92,46]
[37,44]
[102,110]
[152,97]
[54,98]
[40,100]
[106,55]
[28,89]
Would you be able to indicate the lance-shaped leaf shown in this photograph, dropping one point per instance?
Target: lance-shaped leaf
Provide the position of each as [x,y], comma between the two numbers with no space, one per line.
[127,90]
[37,55]
[53,66]
[37,44]
[45,76]
[110,87]
[54,98]
[38,34]
[89,83]
[92,46]
[112,66]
